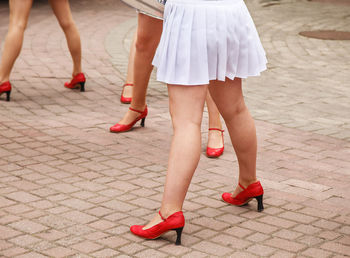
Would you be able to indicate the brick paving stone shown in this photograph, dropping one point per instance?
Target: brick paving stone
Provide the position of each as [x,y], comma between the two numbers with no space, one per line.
[329,235]
[238,231]
[59,252]
[105,253]
[212,249]
[150,253]
[258,237]
[4,245]
[87,247]
[260,227]
[310,240]
[317,253]
[306,229]
[113,242]
[272,220]
[297,217]
[287,234]
[336,247]
[210,223]
[195,254]
[282,254]
[51,235]
[79,217]
[330,225]
[172,249]
[344,240]
[285,244]
[24,240]
[132,248]
[206,233]
[13,252]
[261,250]
[243,255]
[28,226]
[230,241]
[22,197]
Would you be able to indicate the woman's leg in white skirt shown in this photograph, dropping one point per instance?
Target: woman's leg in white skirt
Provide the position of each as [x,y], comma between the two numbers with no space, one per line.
[214,137]
[186,104]
[229,99]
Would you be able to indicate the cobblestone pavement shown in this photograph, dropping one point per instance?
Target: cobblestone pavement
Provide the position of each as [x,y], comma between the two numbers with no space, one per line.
[70,188]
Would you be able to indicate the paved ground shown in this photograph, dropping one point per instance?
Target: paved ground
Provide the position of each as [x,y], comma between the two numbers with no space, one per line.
[70,188]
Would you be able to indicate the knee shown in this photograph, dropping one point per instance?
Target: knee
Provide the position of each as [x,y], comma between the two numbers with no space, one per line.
[18,26]
[186,123]
[66,25]
[186,127]
[234,111]
[145,44]
[240,107]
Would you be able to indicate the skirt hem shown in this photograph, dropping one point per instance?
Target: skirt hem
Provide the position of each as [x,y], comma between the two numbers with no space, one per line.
[206,82]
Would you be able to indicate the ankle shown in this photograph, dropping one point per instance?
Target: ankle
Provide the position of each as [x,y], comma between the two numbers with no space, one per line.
[75,73]
[140,107]
[216,126]
[167,212]
[247,182]
[3,80]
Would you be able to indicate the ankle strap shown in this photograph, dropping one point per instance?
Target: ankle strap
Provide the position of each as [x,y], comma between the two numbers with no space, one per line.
[160,214]
[135,110]
[241,186]
[217,129]
[128,84]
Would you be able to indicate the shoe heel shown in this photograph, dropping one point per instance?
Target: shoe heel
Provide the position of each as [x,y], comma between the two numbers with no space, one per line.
[8,93]
[179,233]
[82,86]
[260,203]
[143,122]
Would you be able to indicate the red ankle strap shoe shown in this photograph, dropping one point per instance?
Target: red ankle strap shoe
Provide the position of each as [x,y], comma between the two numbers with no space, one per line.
[119,128]
[175,222]
[78,81]
[254,190]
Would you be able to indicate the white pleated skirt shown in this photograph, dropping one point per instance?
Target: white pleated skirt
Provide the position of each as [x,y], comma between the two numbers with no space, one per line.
[206,40]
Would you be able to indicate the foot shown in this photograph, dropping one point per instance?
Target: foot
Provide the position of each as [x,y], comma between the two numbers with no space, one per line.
[130,116]
[215,140]
[156,220]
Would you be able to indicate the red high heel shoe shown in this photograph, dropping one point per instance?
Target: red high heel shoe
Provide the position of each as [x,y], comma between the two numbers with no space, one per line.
[77,81]
[123,99]
[6,88]
[119,128]
[216,152]
[175,222]
[254,190]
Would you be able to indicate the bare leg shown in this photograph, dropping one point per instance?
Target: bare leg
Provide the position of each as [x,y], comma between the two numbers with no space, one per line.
[19,13]
[228,97]
[63,14]
[186,105]
[214,136]
[148,36]
[130,75]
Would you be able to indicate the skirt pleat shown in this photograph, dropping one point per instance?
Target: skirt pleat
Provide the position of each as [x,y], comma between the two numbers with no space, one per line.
[206,40]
